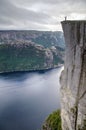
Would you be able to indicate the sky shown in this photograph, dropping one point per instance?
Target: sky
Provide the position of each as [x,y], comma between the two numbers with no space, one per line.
[43,15]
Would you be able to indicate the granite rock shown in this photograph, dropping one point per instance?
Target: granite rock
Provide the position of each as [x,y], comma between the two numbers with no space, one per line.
[73,78]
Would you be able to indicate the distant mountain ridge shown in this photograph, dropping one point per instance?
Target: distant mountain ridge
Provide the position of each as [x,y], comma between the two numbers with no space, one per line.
[45,38]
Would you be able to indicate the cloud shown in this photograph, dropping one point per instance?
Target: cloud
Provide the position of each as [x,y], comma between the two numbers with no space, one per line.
[39,14]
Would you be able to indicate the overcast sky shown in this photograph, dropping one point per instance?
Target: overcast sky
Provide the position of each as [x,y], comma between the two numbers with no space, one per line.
[39,14]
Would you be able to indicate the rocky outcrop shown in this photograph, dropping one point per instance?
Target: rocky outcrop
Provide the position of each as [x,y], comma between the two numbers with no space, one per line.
[49,58]
[73,78]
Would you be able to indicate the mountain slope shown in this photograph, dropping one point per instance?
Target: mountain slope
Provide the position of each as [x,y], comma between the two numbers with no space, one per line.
[18,52]
[45,38]
[23,56]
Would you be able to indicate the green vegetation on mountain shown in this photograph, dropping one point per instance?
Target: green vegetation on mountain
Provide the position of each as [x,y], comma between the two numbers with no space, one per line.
[53,122]
[18,52]
[45,38]
[51,39]
[23,56]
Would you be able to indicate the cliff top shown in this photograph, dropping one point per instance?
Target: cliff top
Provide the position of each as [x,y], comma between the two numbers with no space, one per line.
[73,21]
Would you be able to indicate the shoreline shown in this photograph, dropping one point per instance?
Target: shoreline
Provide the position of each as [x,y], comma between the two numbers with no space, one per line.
[26,71]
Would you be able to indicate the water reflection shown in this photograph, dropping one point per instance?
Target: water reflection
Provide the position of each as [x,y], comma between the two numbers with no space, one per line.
[27,98]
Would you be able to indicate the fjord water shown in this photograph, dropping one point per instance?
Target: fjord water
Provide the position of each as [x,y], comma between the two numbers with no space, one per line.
[27,98]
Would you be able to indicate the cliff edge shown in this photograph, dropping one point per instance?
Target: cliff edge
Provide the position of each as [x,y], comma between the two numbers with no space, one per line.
[73,78]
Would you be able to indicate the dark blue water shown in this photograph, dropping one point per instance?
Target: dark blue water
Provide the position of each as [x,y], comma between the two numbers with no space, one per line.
[26,99]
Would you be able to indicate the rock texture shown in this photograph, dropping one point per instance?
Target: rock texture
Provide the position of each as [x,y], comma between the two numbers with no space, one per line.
[73,78]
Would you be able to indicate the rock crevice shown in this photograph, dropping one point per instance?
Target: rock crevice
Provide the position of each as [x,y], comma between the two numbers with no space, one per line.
[73,78]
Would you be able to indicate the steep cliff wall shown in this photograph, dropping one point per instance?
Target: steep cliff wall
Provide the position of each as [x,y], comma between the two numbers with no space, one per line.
[73,78]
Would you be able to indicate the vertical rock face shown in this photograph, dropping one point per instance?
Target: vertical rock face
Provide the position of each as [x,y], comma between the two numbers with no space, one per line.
[73,78]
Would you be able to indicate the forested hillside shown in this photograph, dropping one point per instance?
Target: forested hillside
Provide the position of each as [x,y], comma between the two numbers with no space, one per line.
[30,50]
